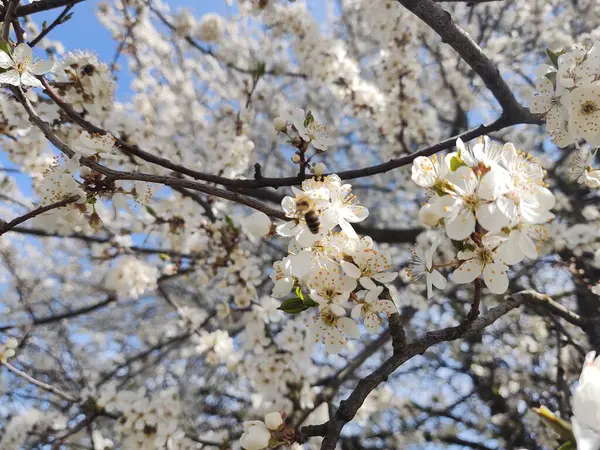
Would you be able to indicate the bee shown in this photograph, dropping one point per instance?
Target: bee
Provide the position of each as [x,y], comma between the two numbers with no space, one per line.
[305,207]
[88,69]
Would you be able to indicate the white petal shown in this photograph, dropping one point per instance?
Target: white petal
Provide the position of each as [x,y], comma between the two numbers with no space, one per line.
[586,438]
[11,77]
[28,79]
[356,311]
[42,67]
[356,214]
[386,306]
[491,218]
[368,283]
[461,226]
[282,287]
[349,327]
[5,61]
[372,323]
[22,53]
[495,277]
[467,272]
[528,246]
[438,279]
[351,270]
[385,277]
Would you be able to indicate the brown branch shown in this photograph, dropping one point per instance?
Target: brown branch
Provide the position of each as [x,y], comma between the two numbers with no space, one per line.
[501,123]
[8,17]
[101,240]
[403,351]
[39,6]
[40,384]
[59,20]
[117,175]
[67,315]
[545,301]
[36,212]
[441,22]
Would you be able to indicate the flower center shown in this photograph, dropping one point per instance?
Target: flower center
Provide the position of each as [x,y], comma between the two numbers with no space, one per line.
[472,201]
[21,67]
[328,318]
[486,256]
[589,107]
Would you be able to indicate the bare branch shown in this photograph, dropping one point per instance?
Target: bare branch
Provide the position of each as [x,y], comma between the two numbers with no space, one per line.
[40,384]
[36,212]
[49,28]
[441,22]
[402,352]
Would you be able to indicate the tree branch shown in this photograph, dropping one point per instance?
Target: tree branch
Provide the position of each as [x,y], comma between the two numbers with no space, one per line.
[67,315]
[36,212]
[40,384]
[403,351]
[441,22]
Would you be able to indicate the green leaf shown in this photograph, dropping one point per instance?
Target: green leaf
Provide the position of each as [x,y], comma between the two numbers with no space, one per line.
[310,302]
[5,47]
[567,446]
[151,211]
[293,305]
[560,426]
[552,77]
[456,162]
[554,56]
[229,221]
[164,256]
[309,119]
[67,17]
[260,69]
[299,293]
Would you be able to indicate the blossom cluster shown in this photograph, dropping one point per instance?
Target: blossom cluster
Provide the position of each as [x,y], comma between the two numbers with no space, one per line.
[492,202]
[329,267]
[568,95]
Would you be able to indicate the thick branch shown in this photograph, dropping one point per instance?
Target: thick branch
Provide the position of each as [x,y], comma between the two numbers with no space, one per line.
[402,352]
[441,22]
[41,5]
[501,123]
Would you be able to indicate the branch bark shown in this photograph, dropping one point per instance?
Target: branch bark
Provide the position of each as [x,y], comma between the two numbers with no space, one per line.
[441,22]
[36,212]
[403,351]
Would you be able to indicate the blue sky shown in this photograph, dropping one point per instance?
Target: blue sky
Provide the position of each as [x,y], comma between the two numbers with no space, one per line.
[84,32]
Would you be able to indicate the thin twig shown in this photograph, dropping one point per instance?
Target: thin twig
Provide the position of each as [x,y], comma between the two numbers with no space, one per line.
[40,384]
[36,212]
[50,27]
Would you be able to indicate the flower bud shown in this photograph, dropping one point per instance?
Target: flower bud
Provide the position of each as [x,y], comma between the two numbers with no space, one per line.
[319,169]
[95,221]
[296,158]
[279,124]
[257,224]
[273,420]
[256,435]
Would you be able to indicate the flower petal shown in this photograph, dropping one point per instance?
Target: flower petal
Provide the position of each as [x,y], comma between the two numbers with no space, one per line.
[22,53]
[11,77]
[349,327]
[351,270]
[467,272]
[495,277]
